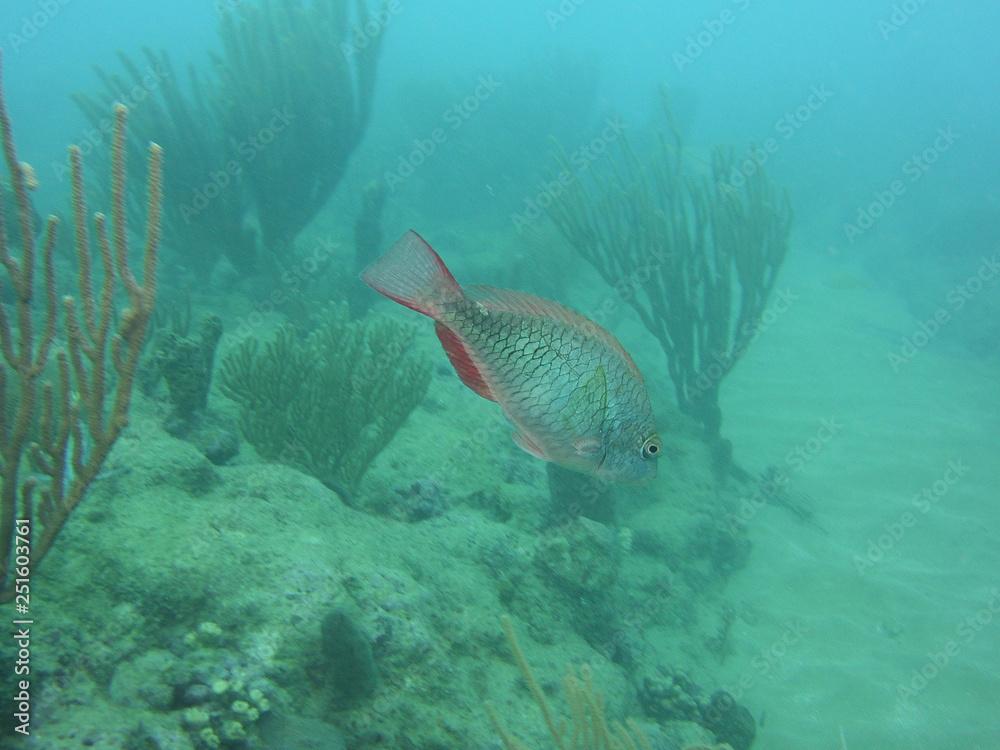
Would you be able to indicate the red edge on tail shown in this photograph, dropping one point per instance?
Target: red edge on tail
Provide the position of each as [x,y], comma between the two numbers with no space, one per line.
[413,274]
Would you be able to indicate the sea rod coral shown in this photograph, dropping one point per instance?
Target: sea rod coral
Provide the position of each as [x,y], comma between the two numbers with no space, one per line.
[588,727]
[696,255]
[57,428]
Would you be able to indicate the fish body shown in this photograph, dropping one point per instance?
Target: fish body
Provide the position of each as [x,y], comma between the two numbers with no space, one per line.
[572,392]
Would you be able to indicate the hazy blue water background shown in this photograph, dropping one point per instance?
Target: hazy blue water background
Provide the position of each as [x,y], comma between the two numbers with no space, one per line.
[891,88]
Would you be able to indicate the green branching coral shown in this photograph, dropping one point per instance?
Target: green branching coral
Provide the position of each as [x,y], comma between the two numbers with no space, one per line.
[186,364]
[695,254]
[330,401]
[260,142]
[204,208]
[368,225]
[298,65]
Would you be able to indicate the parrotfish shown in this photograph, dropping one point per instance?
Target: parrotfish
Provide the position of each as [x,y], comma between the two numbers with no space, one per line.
[573,394]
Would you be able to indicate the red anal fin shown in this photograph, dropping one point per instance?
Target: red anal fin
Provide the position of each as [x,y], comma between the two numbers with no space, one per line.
[529,446]
[461,360]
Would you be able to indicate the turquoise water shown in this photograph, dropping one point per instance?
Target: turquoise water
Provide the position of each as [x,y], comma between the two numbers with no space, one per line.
[310,531]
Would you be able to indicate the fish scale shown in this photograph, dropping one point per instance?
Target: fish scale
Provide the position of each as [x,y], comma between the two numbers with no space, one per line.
[572,392]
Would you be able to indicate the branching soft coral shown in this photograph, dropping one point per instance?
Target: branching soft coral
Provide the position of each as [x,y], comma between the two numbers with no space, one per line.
[330,401]
[587,728]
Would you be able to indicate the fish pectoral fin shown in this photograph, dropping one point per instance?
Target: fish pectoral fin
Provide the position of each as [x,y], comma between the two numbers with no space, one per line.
[587,407]
[588,446]
[526,444]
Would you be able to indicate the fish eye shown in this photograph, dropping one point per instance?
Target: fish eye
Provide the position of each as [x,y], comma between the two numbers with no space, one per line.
[652,447]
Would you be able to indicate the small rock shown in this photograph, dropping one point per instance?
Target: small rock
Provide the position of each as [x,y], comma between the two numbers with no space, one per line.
[583,554]
[143,682]
[348,659]
[299,733]
[729,721]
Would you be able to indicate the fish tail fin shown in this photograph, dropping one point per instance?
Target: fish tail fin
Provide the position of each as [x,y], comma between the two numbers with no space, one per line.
[412,274]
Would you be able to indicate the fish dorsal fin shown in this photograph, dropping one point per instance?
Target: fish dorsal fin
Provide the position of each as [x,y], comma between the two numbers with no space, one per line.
[461,360]
[522,303]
